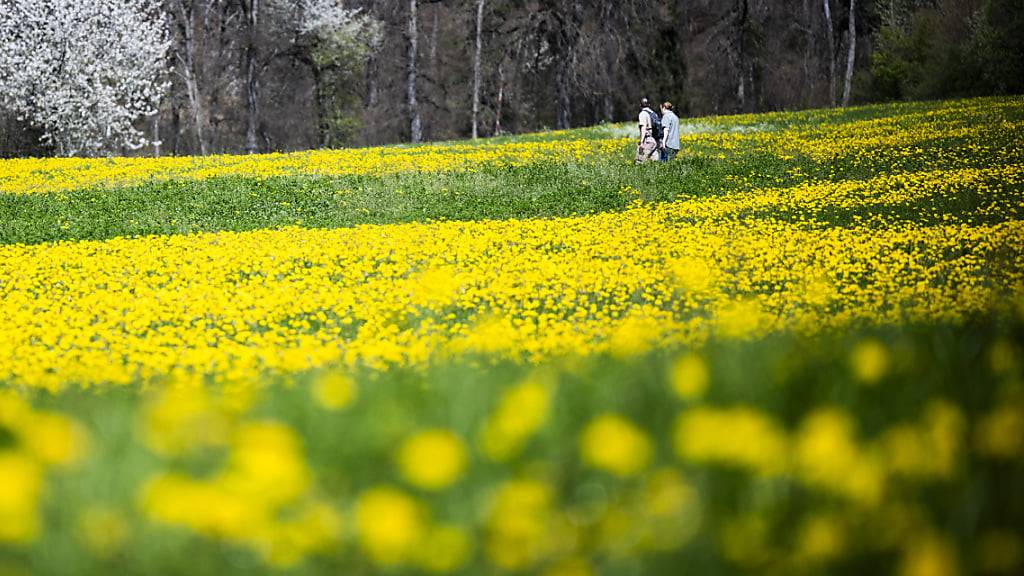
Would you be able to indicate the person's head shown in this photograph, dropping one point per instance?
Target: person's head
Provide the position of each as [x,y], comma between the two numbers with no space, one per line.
[666,107]
[645,103]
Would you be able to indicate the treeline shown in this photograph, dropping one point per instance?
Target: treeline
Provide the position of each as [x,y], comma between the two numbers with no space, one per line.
[252,75]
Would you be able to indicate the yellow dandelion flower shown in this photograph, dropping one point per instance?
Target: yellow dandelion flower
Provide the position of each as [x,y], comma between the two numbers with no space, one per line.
[869,361]
[828,457]
[55,439]
[521,412]
[1000,433]
[519,524]
[22,480]
[690,377]
[390,525]
[740,436]
[432,459]
[334,390]
[614,444]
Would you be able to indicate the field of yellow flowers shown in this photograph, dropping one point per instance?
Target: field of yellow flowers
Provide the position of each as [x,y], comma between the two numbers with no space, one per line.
[795,349]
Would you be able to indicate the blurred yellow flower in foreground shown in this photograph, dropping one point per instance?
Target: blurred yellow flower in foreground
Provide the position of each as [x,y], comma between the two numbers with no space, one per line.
[261,498]
[334,390]
[390,525]
[183,419]
[521,412]
[821,538]
[690,376]
[54,439]
[432,459]
[523,527]
[827,457]
[929,449]
[671,510]
[869,361]
[740,436]
[1000,433]
[31,443]
[614,444]
[1003,357]
[929,555]
[21,479]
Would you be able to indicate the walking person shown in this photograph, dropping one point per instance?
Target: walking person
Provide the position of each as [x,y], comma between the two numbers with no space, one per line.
[650,134]
[670,133]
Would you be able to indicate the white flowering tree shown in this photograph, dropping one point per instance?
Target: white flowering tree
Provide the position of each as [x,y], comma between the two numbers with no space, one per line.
[84,71]
[335,42]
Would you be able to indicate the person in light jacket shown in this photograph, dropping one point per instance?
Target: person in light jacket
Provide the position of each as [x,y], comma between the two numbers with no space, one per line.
[670,132]
[647,147]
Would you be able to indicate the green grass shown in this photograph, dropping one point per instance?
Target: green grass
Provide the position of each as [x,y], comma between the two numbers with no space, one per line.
[238,203]
[538,191]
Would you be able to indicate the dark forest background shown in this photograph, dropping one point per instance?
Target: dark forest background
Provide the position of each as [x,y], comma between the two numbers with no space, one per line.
[242,82]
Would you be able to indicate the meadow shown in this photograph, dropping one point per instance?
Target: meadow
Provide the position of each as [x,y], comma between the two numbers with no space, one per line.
[797,348]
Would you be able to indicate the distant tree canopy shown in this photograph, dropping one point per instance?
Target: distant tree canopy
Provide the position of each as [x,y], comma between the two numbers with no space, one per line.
[263,75]
[947,48]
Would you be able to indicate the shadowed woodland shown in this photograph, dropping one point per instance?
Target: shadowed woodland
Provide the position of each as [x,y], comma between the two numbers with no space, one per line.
[244,76]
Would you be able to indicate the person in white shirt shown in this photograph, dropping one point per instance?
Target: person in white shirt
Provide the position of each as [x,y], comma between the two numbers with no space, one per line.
[670,133]
[648,146]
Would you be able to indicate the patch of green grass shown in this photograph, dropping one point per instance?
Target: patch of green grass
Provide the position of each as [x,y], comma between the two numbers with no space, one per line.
[540,190]
[238,203]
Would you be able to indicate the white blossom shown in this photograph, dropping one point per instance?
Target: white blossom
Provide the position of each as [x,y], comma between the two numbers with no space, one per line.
[84,71]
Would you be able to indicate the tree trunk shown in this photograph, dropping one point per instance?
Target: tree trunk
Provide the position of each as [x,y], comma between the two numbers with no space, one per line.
[251,77]
[851,53]
[501,99]
[612,61]
[372,88]
[564,112]
[433,41]
[415,128]
[607,108]
[830,54]
[175,126]
[155,132]
[320,99]
[476,66]
[186,12]
[809,83]
[741,50]
[570,20]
